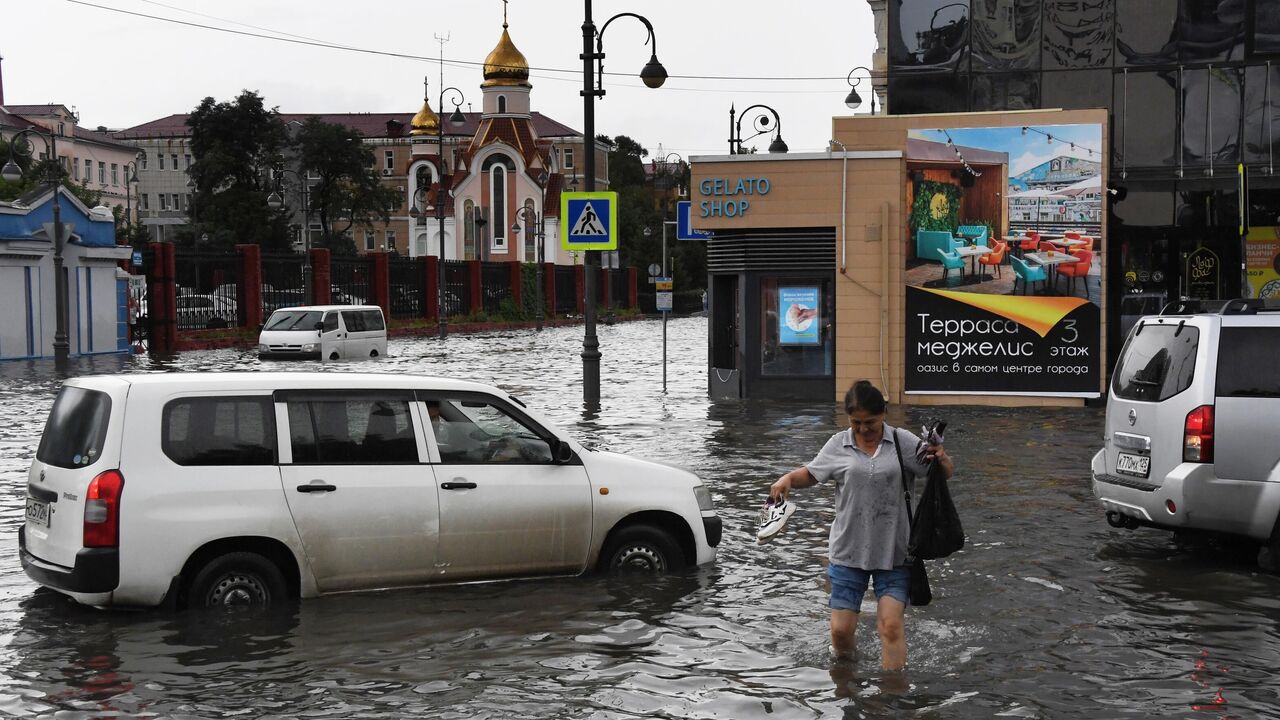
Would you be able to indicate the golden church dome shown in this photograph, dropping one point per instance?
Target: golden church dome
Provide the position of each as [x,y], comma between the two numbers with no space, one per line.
[505,65]
[426,122]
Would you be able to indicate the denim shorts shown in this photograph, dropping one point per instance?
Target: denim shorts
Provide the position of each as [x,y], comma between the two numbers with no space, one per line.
[848,585]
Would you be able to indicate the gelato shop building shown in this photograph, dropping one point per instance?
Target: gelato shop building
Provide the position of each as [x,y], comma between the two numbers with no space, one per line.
[951,258]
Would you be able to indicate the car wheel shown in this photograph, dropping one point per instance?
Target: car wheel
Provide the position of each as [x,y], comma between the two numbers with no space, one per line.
[641,549]
[333,355]
[373,353]
[237,580]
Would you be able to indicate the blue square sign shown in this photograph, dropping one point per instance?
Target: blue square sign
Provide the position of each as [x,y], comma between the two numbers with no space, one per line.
[589,221]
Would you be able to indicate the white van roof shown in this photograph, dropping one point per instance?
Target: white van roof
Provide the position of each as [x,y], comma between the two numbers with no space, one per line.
[324,308]
[240,381]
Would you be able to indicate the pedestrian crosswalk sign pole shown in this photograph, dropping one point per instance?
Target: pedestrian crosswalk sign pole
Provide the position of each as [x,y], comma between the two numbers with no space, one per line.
[589,221]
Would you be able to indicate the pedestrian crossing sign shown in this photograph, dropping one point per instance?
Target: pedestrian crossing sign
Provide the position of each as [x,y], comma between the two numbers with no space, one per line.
[589,220]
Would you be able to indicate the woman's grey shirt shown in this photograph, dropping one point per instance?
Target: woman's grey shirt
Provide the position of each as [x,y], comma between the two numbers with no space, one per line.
[871,529]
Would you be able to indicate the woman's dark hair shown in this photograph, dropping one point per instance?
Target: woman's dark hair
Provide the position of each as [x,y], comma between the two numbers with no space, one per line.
[863,395]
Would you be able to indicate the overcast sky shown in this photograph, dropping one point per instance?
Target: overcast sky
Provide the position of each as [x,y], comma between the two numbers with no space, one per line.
[120,70]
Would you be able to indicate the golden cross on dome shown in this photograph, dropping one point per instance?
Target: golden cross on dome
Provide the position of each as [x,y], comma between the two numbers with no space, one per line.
[426,87]
[504,14]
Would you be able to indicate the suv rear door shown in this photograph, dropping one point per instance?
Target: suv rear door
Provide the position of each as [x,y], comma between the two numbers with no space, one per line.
[81,439]
[1247,412]
[1152,390]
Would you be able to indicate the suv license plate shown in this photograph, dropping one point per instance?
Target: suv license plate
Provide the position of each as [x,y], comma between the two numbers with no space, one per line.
[1136,465]
[37,512]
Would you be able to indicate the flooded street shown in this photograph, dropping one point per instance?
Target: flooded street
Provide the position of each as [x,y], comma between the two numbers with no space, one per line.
[1047,612]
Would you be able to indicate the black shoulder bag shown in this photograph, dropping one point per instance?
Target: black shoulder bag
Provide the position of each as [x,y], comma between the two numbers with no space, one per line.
[920,592]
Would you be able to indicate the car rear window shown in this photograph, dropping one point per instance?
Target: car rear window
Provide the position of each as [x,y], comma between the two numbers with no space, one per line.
[1158,362]
[1247,365]
[373,320]
[76,428]
[219,431]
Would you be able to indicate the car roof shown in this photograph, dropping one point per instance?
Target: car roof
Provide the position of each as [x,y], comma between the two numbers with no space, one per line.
[323,308]
[208,381]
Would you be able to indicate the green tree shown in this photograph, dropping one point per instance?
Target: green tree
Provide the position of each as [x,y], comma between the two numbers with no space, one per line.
[37,172]
[347,192]
[236,145]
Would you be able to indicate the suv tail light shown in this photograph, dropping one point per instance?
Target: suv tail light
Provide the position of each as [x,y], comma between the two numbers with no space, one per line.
[1197,437]
[102,510]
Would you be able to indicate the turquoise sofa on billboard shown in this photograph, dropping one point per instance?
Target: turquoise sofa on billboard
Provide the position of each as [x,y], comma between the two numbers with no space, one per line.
[930,244]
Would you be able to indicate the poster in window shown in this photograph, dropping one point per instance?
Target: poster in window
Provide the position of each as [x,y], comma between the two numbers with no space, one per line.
[798,316]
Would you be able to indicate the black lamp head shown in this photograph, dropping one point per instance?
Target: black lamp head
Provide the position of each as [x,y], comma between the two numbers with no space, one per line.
[778,146]
[653,74]
[853,101]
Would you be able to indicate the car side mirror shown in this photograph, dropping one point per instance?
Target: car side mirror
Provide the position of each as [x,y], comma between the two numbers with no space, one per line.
[562,452]
[320,326]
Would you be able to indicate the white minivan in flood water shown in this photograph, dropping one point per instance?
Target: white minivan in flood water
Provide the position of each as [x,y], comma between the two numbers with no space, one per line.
[327,332]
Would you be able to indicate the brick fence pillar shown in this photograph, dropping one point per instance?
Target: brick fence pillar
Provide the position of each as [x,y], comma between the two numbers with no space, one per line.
[633,292]
[549,289]
[321,277]
[477,279]
[249,289]
[380,283]
[580,287]
[517,283]
[162,299]
[431,282]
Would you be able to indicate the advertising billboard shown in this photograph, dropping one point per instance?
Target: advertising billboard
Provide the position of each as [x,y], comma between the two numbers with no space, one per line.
[1262,262]
[798,320]
[1003,267]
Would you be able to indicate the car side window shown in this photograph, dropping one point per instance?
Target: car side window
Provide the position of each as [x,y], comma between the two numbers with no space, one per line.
[354,320]
[373,320]
[478,432]
[330,322]
[219,431]
[365,430]
[1247,362]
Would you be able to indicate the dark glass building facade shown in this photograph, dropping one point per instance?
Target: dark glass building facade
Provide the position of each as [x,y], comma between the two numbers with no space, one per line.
[1193,92]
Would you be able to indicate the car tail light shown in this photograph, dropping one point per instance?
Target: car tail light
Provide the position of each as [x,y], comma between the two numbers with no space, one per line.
[1197,437]
[102,510]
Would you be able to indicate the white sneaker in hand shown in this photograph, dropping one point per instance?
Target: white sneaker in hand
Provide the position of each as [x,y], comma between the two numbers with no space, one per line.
[772,517]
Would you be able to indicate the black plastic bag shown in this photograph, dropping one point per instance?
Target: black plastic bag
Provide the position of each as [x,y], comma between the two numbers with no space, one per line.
[935,529]
[921,594]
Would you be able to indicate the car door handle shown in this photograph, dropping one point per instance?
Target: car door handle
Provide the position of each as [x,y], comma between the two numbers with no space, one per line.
[317,487]
[458,486]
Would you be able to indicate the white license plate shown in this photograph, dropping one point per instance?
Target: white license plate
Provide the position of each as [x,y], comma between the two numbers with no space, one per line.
[1136,465]
[37,512]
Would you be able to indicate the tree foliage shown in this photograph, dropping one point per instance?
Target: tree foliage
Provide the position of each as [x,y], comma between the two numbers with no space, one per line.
[347,192]
[236,145]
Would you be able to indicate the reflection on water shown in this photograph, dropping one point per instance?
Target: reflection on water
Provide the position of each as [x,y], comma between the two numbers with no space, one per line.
[1047,613]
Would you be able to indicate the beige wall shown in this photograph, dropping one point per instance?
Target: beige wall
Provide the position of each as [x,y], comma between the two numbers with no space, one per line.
[871,239]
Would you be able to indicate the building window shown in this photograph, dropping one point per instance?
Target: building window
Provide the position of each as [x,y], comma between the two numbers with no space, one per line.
[164,201]
[142,158]
[530,231]
[160,160]
[502,103]
[102,173]
[370,240]
[186,201]
[115,173]
[174,158]
[177,201]
[187,160]
[142,202]
[498,195]
[88,170]
[468,230]
[388,161]
[568,158]
[391,240]
[62,129]
[76,167]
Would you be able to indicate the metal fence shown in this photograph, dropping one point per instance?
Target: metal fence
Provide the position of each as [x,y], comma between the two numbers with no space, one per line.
[408,287]
[457,288]
[351,279]
[282,282]
[495,279]
[566,291]
[207,289]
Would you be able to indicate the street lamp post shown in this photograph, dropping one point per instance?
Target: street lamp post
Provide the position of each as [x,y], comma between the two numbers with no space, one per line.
[540,236]
[853,100]
[456,119]
[13,173]
[653,75]
[761,124]
[130,177]
[275,201]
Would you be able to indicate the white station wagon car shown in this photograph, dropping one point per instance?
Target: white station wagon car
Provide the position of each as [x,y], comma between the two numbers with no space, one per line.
[219,489]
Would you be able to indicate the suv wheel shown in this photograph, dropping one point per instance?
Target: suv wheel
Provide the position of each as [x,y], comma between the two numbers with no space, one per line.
[237,580]
[641,549]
